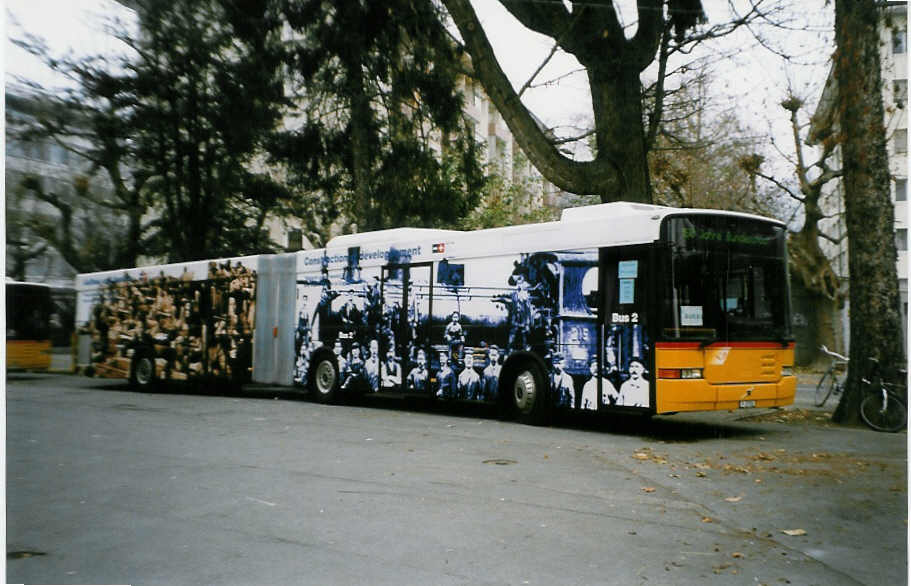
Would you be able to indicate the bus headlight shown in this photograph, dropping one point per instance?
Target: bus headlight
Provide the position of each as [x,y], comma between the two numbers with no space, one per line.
[787,371]
[690,373]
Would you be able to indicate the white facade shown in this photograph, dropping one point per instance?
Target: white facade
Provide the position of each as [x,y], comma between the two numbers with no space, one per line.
[503,155]
[894,55]
[55,167]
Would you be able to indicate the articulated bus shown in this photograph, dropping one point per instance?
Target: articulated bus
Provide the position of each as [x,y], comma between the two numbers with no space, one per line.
[614,308]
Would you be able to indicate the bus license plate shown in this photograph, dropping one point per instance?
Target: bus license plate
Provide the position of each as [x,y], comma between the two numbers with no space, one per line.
[747,404]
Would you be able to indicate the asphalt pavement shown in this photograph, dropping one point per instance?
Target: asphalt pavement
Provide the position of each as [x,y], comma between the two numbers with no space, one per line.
[106,485]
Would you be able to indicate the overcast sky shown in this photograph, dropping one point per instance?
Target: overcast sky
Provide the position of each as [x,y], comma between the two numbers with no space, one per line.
[752,82]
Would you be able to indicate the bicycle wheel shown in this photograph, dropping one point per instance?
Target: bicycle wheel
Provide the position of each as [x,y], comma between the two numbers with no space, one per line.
[883,411]
[825,386]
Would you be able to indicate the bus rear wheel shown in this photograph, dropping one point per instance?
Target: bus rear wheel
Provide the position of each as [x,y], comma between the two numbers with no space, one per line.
[529,395]
[142,372]
[324,380]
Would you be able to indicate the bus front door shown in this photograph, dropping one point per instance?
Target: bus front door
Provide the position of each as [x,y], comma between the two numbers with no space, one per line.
[625,352]
[405,329]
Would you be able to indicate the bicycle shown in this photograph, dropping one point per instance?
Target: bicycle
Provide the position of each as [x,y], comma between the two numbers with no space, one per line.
[831,383]
[883,407]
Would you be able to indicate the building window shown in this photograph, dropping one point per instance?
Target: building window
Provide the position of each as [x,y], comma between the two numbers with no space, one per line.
[901,239]
[15,149]
[899,41]
[58,154]
[901,190]
[901,141]
[900,92]
[472,125]
[295,239]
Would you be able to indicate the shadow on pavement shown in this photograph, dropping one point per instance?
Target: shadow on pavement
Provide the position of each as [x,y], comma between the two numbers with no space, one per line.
[663,428]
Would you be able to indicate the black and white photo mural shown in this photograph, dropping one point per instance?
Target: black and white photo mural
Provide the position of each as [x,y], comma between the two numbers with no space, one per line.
[417,323]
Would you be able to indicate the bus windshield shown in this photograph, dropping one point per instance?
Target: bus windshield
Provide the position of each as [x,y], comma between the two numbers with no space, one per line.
[726,279]
[28,310]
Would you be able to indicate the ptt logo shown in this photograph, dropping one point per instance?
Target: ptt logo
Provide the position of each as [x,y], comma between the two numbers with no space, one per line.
[439,248]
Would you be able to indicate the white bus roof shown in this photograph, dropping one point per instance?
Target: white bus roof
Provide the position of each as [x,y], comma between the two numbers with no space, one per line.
[608,224]
[391,235]
[11,281]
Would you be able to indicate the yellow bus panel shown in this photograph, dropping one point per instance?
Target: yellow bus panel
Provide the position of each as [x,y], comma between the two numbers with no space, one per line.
[28,355]
[723,376]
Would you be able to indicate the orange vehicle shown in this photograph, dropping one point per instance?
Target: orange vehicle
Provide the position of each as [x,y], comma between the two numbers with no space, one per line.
[29,307]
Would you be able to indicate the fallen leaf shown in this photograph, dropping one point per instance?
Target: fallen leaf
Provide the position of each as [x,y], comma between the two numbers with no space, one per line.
[640,456]
[648,489]
[737,555]
[793,532]
[733,499]
[706,519]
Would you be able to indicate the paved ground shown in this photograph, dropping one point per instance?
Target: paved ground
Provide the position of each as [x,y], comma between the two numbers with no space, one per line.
[105,485]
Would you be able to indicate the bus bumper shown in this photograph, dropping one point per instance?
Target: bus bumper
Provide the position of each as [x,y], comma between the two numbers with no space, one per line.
[699,395]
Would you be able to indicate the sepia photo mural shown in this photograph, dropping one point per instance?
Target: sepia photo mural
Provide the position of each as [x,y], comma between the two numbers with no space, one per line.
[194,320]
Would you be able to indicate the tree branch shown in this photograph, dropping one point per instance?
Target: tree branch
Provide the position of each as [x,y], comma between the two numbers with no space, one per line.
[547,59]
[650,32]
[780,185]
[573,176]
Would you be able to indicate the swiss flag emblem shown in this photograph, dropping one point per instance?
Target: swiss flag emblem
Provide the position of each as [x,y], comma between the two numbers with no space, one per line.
[439,248]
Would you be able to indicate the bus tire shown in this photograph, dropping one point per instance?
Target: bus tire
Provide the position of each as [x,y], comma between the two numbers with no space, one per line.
[142,371]
[529,396]
[324,383]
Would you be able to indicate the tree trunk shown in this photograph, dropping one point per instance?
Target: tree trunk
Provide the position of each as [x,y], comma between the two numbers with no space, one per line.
[620,168]
[361,120]
[875,322]
[620,137]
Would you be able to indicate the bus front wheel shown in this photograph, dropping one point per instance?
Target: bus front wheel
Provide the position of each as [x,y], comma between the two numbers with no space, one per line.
[529,395]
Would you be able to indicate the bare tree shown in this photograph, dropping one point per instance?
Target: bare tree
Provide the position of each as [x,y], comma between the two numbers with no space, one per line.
[85,237]
[809,262]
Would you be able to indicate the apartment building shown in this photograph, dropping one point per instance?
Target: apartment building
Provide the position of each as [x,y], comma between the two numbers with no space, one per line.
[502,154]
[55,168]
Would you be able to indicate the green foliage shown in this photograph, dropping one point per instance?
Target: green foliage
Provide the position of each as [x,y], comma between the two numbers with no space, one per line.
[381,140]
[207,94]
[179,125]
[507,203]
